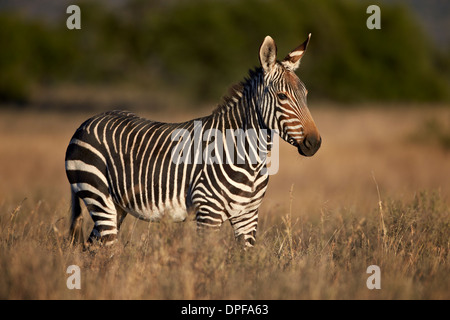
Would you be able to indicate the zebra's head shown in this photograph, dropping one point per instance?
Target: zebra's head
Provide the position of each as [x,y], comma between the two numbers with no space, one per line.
[283,102]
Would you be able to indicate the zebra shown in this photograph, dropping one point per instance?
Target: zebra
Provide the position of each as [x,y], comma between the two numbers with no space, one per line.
[119,163]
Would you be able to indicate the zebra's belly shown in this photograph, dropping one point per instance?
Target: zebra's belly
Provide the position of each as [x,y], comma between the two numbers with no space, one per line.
[175,212]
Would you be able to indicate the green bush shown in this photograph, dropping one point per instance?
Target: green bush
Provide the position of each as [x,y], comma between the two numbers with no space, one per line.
[198,48]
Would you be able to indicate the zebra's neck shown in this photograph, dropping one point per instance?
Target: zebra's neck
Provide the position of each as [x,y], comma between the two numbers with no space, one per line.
[240,107]
[240,111]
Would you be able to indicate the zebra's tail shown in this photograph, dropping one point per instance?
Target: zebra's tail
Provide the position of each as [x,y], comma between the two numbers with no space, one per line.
[76,221]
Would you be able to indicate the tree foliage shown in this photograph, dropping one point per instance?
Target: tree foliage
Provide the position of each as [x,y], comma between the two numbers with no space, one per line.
[198,48]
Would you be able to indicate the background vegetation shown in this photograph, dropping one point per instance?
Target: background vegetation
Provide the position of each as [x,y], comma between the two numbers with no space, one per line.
[196,49]
[377,192]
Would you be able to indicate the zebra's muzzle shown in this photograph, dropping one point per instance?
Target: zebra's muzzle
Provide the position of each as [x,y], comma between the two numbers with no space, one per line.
[309,146]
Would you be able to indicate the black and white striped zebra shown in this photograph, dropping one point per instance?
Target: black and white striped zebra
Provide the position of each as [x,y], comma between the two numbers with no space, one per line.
[118,163]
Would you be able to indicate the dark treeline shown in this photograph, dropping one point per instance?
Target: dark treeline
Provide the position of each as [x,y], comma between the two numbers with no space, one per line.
[198,48]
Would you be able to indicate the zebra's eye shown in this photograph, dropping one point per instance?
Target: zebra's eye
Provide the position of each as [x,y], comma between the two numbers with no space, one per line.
[282,96]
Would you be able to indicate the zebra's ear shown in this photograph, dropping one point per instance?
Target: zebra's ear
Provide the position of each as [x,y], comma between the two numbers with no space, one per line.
[268,54]
[292,60]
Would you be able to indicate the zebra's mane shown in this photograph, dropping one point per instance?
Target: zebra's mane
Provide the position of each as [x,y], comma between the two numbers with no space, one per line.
[236,91]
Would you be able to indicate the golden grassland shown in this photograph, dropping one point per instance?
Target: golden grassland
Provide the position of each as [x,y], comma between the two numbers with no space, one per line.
[376,193]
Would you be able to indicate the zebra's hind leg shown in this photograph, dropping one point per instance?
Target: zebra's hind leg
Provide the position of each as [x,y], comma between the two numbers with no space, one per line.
[104,215]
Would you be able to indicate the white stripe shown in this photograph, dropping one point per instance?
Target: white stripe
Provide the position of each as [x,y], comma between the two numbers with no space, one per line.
[79,165]
[89,147]
[106,232]
[105,223]
[109,212]
[87,187]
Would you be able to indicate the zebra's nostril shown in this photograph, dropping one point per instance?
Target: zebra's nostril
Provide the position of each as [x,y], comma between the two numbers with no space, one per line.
[307,143]
[312,141]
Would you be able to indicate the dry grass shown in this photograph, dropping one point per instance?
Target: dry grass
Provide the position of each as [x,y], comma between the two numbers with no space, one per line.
[322,223]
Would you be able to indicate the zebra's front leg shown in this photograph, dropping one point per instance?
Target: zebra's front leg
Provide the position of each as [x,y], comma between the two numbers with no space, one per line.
[244,226]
